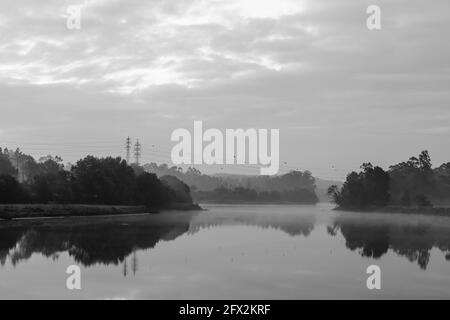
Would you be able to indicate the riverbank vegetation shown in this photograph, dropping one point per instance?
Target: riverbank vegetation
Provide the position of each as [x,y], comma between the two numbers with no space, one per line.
[245,195]
[293,187]
[410,184]
[112,182]
[91,181]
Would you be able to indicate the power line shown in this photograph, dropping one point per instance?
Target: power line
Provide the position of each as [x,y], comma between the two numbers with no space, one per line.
[162,154]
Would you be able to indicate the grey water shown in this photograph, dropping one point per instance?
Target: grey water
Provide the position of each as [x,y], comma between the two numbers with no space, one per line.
[228,252]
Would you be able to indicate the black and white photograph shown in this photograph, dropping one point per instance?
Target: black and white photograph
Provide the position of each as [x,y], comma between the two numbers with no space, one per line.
[195,151]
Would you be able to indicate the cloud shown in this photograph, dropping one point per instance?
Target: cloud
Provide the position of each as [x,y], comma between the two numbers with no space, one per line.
[142,66]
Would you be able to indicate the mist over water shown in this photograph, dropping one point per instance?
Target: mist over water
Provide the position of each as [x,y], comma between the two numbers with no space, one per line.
[228,252]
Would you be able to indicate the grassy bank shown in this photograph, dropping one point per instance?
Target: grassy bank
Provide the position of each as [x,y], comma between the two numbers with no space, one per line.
[18,211]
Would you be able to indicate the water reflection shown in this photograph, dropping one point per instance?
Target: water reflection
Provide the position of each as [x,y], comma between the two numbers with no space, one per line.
[103,240]
[89,241]
[111,240]
[410,236]
[292,222]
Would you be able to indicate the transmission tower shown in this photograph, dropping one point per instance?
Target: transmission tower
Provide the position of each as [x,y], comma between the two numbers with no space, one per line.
[137,152]
[128,148]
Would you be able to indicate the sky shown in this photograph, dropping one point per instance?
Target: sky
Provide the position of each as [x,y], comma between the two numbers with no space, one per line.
[340,94]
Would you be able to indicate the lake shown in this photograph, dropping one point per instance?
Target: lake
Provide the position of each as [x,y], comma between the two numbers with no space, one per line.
[228,252]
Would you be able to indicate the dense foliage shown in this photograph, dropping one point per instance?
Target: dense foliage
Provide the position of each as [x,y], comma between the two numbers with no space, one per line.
[202,182]
[370,187]
[411,183]
[109,181]
[295,186]
[11,191]
[240,194]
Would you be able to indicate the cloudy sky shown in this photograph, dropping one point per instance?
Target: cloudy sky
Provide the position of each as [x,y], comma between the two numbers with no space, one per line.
[339,93]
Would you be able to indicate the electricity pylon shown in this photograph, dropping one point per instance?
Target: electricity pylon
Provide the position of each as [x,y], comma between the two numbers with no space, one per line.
[128,148]
[137,152]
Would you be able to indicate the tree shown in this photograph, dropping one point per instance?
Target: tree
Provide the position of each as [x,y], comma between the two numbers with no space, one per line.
[50,164]
[422,201]
[442,176]
[406,199]
[370,187]
[182,192]
[334,193]
[11,191]
[414,177]
[151,191]
[108,181]
[103,181]
[52,187]
[425,161]
[5,165]
[376,186]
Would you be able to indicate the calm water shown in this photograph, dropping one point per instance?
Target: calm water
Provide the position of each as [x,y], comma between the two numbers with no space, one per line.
[236,252]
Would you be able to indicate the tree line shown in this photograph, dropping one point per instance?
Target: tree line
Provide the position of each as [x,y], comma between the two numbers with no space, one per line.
[202,182]
[410,183]
[103,181]
[241,194]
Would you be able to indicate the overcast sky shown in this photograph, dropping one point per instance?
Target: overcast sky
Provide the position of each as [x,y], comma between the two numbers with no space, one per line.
[339,93]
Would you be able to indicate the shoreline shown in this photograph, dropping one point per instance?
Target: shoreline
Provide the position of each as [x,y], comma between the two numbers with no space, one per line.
[259,202]
[29,211]
[434,211]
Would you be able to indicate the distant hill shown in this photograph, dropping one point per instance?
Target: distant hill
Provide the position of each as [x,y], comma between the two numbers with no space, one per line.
[199,182]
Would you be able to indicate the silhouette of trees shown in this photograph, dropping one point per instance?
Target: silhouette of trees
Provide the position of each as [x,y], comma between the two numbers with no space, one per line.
[370,187]
[293,180]
[192,177]
[11,191]
[422,201]
[5,165]
[179,191]
[240,194]
[295,186]
[52,187]
[442,176]
[413,182]
[151,191]
[112,181]
[103,181]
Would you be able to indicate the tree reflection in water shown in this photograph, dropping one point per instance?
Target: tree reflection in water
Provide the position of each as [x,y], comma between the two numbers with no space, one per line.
[291,223]
[111,240]
[89,241]
[410,237]
[116,240]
